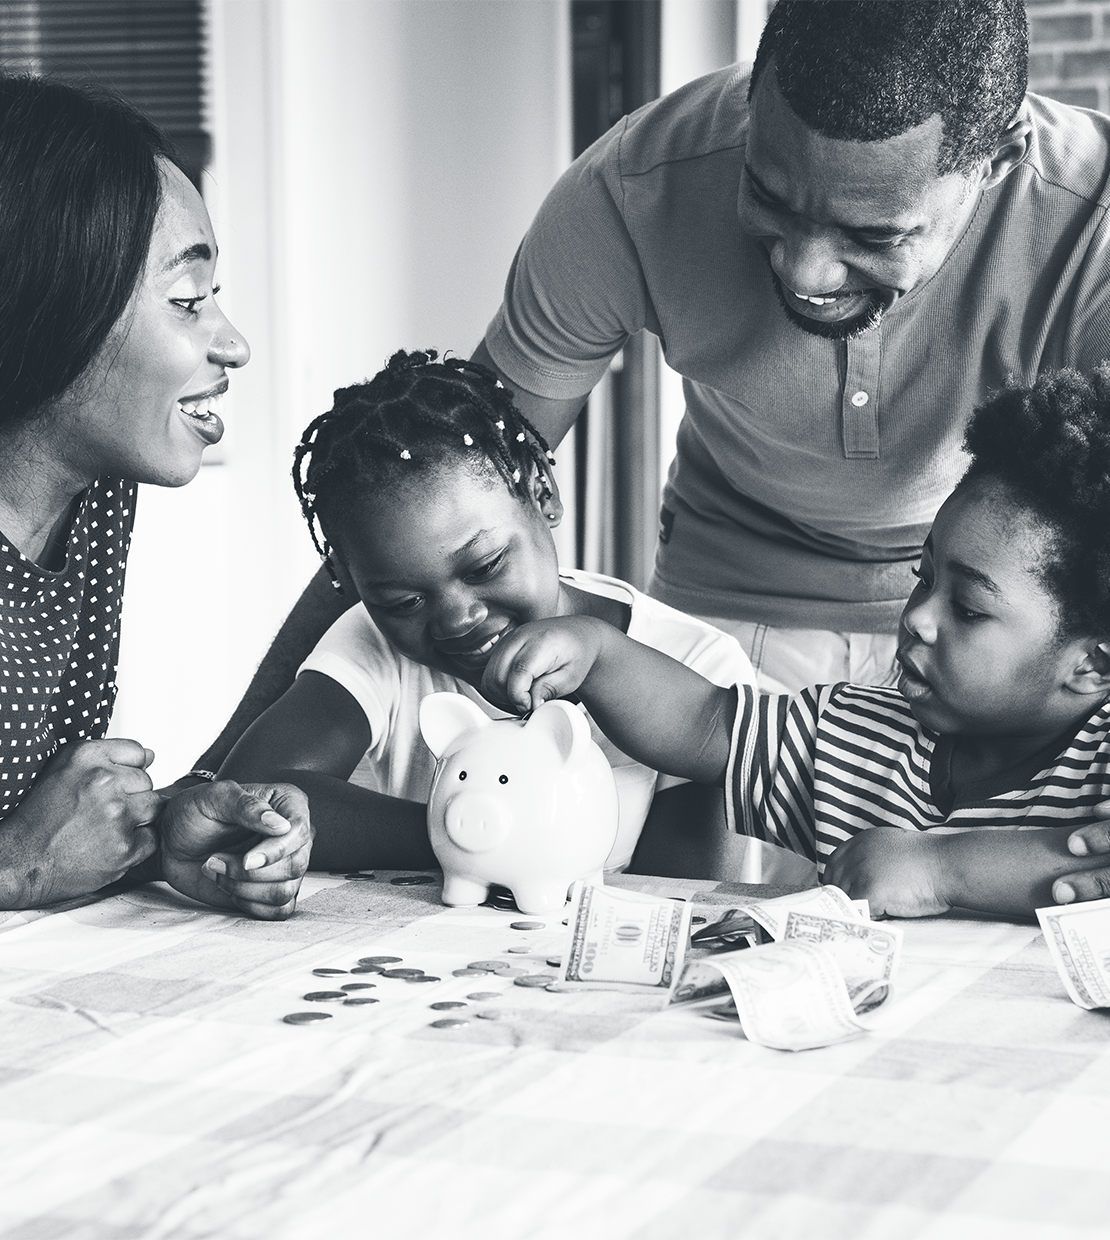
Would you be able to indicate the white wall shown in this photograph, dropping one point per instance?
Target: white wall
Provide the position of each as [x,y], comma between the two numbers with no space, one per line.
[376,163]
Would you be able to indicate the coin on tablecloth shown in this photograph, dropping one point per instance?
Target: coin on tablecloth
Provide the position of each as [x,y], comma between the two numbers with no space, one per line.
[489,966]
[556,962]
[306,1018]
[424,977]
[481,996]
[520,951]
[413,880]
[324,996]
[358,986]
[526,925]
[328,972]
[468,972]
[368,968]
[445,1005]
[403,973]
[490,1014]
[513,973]
[534,980]
[357,1000]
[368,961]
[450,1022]
[364,877]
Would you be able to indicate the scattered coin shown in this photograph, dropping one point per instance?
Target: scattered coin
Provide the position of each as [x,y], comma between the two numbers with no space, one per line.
[556,962]
[369,968]
[467,972]
[355,1000]
[445,1005]
[526,925]
[424,977]
[403,973]
[513,973]
[482,996]
[520,951]
[358,986]
[328,972]
[489,1014]
[489,966]
[306,1018]
[324,996]
[364,877]
[413,880]
[698,920]
[369,960]
[534,980]
[450,1022]
[564,921]
[501,898]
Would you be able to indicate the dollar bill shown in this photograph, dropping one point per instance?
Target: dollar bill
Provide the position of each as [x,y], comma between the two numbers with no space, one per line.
[819,901]
[866,952]
[789,996]
[1078,938]
[623,940]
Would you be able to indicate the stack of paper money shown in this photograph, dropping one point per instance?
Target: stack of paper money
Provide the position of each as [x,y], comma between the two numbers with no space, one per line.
[828,966]
[1078,938]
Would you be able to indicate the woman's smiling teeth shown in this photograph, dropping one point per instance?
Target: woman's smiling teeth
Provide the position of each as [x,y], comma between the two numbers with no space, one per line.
[204,409]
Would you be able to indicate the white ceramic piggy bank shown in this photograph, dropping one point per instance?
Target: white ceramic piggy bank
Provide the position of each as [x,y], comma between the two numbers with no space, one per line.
[528,804]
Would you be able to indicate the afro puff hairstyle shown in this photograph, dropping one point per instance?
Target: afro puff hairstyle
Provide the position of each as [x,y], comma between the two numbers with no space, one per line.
[1049,445]
[410,418]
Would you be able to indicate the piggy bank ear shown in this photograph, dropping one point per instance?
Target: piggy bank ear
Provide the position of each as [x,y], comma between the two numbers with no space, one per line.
[565,724]
[444,716]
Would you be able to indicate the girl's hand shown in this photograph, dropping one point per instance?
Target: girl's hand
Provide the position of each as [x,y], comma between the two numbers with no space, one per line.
[897,872]
[542,660]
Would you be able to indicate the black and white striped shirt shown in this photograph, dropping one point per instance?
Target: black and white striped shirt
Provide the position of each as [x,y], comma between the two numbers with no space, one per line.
[809,771]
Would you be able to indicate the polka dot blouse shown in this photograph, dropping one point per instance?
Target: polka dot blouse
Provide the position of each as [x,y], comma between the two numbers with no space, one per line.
[59,638]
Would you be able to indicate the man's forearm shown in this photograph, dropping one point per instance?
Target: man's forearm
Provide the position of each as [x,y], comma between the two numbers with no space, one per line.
[313,614]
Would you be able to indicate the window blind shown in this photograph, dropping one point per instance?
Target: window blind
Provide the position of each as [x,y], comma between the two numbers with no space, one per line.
[151,51]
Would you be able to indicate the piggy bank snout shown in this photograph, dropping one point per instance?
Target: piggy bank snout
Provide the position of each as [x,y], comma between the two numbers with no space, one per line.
[476,822]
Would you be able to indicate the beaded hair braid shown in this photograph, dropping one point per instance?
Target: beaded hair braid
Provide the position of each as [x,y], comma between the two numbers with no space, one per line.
[411,417]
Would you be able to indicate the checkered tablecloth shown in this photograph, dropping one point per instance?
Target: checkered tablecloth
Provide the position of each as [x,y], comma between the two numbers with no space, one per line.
[149,1088]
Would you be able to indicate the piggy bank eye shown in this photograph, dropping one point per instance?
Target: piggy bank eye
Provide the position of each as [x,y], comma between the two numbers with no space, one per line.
[502,779]
[462,774]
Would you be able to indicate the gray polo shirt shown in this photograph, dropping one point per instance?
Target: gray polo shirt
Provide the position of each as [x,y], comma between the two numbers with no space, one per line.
[808,471]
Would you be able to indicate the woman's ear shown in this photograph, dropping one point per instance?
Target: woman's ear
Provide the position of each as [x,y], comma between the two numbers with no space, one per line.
[1092,673]
[545,493]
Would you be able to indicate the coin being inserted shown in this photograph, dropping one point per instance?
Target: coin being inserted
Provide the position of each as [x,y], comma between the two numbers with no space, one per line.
[306,1018]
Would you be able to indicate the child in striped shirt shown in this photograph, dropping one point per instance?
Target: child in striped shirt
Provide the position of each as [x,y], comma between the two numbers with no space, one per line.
[959,787]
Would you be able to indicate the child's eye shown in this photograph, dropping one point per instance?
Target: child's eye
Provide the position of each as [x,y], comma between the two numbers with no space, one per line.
[403,607]
[488,569]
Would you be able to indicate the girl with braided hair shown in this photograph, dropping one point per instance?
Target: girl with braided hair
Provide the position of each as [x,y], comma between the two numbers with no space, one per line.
[430,497]
[963,786]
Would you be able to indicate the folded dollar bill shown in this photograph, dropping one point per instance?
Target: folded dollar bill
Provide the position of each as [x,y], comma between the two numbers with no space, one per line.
[1078,938]
[829,966]
[622,940]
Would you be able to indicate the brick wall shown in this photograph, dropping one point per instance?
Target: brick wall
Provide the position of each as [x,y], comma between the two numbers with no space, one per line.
[1069,51]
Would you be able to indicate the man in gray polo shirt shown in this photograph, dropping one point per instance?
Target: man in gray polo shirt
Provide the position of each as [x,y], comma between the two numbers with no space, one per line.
[841,257]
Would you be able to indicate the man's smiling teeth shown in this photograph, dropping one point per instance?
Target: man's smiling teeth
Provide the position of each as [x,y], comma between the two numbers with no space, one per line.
[202,409]
[816,301]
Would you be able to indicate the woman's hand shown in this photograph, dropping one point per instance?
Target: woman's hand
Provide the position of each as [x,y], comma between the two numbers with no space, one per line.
[896,871]
[243,846]
[83,825]
[542,660]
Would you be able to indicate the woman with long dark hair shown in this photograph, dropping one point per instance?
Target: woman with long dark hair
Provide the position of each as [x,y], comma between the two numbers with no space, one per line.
[113,358]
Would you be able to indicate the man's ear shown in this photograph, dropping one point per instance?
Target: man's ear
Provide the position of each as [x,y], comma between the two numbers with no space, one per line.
[1009,151]
[1092,673]
[545,493]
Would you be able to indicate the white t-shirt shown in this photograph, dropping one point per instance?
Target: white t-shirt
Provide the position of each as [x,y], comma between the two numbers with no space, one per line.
[390,687]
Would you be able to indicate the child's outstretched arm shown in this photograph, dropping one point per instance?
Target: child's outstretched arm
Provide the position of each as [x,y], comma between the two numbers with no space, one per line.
[658,711]
[916,874]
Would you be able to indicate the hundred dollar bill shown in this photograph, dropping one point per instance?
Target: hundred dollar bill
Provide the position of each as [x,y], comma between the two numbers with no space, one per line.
[1078,938]
[623,940]
[866,952]
[789,996]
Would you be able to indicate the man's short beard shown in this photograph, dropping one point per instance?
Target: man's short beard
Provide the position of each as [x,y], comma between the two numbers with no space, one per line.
[843,329]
